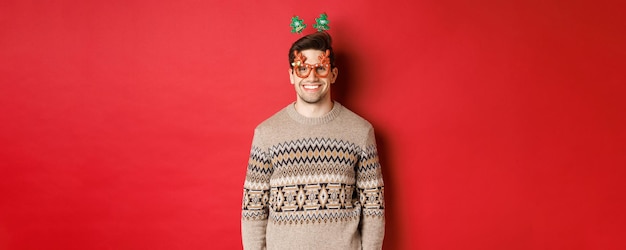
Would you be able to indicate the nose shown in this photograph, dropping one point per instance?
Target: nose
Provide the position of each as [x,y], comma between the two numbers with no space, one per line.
[312,76]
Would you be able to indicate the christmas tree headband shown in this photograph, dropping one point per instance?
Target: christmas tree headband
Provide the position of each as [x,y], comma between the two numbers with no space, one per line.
[298,25]
[302,69]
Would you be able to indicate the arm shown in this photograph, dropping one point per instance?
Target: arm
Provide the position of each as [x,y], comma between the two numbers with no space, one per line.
[371,192]
[256,187]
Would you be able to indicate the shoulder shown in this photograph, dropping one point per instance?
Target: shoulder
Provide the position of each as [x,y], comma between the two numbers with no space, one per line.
[273,122]
[354,120]
[356,128]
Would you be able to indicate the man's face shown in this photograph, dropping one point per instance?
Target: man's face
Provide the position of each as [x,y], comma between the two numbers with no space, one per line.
[313,89]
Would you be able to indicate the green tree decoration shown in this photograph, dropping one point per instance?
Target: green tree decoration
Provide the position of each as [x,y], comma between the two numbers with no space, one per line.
[297,25]
[321,23]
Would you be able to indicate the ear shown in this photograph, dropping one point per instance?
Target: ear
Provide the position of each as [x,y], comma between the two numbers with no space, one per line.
[333,78]
[291,77]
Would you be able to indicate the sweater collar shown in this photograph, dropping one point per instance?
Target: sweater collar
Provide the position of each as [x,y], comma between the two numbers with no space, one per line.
[326,118]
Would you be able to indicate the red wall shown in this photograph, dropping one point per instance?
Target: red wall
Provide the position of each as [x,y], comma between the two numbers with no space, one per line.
[127,124]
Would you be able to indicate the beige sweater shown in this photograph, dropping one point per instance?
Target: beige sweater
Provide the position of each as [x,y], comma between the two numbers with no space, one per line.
[313,183]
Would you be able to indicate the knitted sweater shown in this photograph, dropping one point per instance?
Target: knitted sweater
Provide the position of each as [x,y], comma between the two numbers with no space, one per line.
[313,183]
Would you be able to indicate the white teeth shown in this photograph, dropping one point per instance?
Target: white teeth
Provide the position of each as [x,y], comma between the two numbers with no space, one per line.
[311,87]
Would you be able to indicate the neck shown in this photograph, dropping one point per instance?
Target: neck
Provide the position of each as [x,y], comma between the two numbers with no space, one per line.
[313,109]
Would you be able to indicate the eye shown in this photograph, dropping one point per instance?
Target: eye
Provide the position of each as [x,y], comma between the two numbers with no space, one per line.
[302,69]
[321,69]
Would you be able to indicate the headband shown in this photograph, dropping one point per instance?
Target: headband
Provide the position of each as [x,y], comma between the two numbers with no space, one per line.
[298,25]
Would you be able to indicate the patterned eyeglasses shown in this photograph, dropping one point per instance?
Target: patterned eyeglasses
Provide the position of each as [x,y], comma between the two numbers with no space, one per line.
[303,70]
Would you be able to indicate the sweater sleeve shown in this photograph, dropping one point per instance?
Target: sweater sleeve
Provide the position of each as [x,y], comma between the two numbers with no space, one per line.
[256,187]
[371,193]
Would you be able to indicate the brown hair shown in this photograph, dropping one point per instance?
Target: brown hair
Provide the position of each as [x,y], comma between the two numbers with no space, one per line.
[317,41]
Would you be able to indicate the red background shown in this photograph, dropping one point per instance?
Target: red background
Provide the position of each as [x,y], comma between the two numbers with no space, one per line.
[127,124]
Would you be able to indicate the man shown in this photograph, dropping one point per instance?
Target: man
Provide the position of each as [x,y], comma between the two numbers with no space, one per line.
[313,179]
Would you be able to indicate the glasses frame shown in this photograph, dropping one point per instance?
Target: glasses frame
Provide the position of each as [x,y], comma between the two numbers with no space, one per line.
[299,61]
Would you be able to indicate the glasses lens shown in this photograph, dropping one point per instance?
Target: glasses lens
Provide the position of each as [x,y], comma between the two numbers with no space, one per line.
[321,70]
[302,71]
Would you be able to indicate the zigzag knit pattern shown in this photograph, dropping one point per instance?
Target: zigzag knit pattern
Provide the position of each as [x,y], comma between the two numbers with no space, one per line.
[324,166]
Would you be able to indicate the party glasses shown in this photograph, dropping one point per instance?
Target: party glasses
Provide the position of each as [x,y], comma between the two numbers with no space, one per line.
[303,70]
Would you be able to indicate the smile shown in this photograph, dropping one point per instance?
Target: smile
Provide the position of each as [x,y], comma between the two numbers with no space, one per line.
[311,86]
